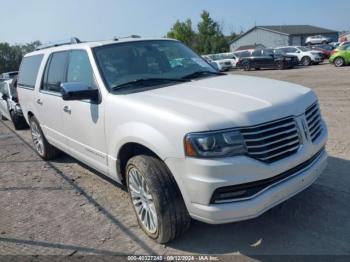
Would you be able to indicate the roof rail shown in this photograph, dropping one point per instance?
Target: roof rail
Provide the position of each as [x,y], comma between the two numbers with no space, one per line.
[130,36]
[73,40]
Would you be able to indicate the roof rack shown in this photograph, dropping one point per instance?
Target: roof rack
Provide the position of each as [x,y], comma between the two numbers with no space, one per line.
[131,36]
[73,40]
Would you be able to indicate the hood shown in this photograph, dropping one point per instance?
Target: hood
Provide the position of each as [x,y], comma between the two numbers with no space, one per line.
[228,101]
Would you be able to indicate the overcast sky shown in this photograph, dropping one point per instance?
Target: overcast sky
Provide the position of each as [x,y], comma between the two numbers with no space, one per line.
[24,21]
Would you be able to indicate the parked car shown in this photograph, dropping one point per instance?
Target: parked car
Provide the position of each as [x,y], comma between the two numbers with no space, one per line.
[185,140]
[9,75]
[341,57]
[268,58]
[317,39]
[325,49]
[305,55]
[218,62]
[9,106]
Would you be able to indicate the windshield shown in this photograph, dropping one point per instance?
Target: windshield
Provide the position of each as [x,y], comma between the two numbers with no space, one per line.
[122,63]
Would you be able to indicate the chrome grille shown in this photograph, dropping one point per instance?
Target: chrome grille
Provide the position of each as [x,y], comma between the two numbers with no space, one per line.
[313,119]
[272,141]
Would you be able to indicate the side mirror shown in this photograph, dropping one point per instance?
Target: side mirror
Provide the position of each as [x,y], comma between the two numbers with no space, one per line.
[78,91]
[4,97]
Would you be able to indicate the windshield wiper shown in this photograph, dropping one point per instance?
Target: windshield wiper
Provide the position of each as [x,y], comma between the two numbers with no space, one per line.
[143,81]
[201,73]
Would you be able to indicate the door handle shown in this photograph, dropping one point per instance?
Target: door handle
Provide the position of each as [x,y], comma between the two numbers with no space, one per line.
[39,102]
[67,109]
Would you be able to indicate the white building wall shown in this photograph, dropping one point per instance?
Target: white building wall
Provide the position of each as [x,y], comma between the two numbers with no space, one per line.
[259,36]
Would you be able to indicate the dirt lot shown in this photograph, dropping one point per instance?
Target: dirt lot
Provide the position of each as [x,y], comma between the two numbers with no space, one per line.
[62,207]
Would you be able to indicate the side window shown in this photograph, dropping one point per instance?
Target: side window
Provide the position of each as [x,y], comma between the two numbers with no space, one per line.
[55,72]
[79,68]
[28,71]
[257,53]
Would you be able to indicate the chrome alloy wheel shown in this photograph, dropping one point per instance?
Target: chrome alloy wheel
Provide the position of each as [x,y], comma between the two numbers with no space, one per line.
[37,138]
[142,200]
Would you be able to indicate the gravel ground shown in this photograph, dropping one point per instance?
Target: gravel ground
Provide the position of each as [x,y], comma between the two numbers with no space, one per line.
[64,208]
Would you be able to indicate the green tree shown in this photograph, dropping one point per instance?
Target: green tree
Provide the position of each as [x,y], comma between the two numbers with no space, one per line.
[11,55]
[210,37]
[183,32]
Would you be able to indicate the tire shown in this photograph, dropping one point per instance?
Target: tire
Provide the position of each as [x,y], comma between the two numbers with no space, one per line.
[41,145]
[18,121]
[159,197]
[324,42]
[246,66]
[257,68]
[280,65]
[306,61]
[339,62]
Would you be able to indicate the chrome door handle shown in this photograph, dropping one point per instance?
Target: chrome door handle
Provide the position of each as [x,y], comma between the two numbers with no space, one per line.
[39,102]
[67,109]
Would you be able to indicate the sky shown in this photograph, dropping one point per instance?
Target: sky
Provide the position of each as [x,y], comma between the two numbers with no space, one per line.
[23,21]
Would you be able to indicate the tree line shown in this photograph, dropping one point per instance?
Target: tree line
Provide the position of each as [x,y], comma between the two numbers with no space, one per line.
[11,55]
[208,38]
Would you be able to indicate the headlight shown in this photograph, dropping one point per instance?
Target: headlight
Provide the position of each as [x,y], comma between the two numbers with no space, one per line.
[215,144]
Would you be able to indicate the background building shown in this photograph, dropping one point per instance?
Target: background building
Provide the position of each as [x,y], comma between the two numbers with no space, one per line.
[280,35]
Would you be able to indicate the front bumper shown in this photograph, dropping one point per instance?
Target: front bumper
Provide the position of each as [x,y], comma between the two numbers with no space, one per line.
[247,209]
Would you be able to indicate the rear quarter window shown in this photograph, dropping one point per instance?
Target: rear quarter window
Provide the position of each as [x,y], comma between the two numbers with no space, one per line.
[29,71]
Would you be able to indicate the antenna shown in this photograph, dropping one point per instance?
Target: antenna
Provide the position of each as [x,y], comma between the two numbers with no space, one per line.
[72,40]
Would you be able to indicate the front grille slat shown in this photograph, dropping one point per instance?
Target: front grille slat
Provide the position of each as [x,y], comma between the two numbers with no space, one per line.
[313,118]
[273,141]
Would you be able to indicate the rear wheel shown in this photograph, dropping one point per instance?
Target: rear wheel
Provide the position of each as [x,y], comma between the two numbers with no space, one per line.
[42,146]
[306,61]
[339,62]
[18,121]
[156,199]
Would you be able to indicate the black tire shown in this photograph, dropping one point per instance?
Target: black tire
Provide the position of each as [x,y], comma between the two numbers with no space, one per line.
[48,151]
[172,216]
[246,66]
[257,68]
[18,121]
[339,62]
[306,61]
[280,65]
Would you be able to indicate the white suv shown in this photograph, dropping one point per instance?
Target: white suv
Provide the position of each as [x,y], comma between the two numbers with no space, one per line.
[317,39]
[305,55]
[186,140]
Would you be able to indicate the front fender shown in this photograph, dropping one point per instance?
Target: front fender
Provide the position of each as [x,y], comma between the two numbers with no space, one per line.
[145,135]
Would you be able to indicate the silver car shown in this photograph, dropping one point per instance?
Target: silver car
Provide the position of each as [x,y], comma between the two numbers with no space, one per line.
[9,106]
[317,39]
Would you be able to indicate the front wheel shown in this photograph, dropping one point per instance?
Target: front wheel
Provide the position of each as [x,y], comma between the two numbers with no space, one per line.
[41,145]
[306,61]
[156,199]
[246,66]
[280,65]
[339,62]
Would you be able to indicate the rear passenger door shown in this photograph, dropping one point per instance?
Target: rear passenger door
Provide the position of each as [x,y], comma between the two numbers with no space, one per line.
[83,121]
[49,99]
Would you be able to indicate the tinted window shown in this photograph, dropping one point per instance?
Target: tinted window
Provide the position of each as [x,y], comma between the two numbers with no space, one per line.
[79,68]
[29,70]
[257,53]
[55,72]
